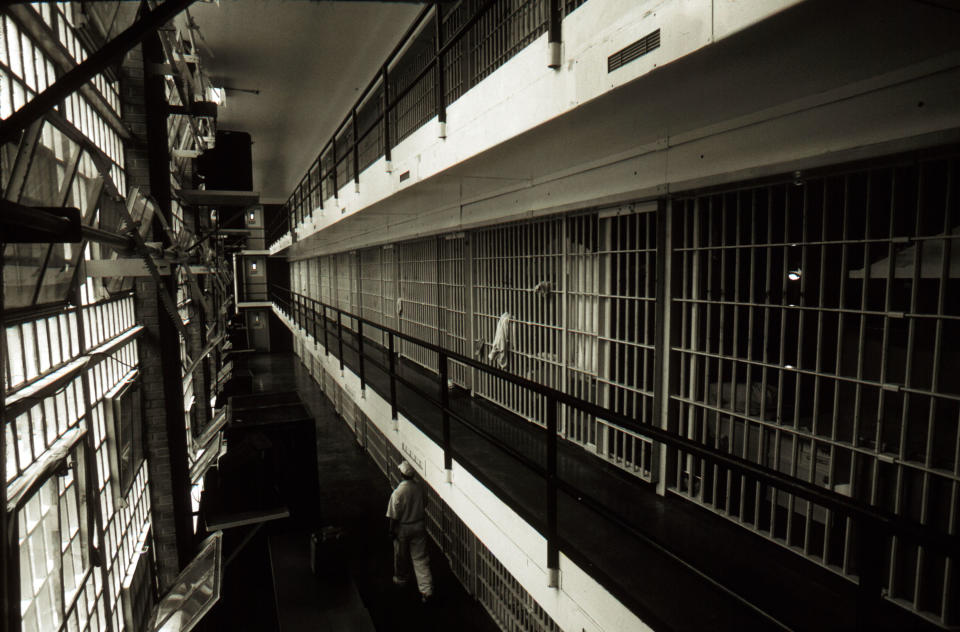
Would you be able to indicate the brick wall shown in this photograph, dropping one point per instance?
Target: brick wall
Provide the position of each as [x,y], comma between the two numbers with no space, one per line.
[149,312]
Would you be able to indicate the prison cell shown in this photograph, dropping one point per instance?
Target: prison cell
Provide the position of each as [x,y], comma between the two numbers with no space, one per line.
[516,269]
[625,350]
[419,309]
[346,286]
[390,276]
[451,288]
[326,280]
[371,287]
[814,320]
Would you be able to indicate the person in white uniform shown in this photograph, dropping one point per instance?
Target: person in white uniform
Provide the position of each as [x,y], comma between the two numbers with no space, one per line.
[407,528]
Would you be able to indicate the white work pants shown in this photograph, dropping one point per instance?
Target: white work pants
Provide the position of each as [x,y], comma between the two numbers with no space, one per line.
[410,546]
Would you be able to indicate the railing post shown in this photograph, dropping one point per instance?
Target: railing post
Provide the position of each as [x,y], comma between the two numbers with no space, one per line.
[356,152]
[438,82]
[326,345]
[320,179]
[340,338]
[445,410]
[393,378]
[386,120]
[553,550]
[363,374]
[333,168]
[553,35]
[870,556]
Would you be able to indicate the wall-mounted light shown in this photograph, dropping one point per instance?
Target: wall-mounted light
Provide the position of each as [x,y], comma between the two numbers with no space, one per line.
[252,215]
[794,275]
[253,266]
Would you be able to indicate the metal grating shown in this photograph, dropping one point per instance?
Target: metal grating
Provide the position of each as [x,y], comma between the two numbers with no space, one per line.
[634,51]
[815,320]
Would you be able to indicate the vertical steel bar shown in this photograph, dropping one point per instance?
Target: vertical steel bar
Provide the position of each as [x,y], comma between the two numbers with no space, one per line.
[386,115]
[553,550]
[438,71]
[363,375]
[356,152]
[340,337]
[445,409]
[392,362]
[326,345]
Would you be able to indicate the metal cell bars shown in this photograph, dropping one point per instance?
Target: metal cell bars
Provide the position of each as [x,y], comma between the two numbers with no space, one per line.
[105,320]
[419,313]
[344,151]
[370,129]
[390,276]
[456,61]
[626,273]
[506,28]
[451,287]
[814,320]
[32,432]
[377,446]
[510,605]
[417,103]
[55,566]
[346,285]
[371,290]
[516,270]
[326,274]
[37,347]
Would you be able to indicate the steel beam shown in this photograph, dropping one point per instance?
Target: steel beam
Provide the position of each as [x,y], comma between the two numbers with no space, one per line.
[41,225]
[96,63]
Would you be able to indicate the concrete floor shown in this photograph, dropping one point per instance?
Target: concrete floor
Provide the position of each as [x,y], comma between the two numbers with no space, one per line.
[269,584]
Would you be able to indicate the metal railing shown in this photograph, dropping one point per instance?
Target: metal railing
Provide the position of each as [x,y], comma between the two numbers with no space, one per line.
[444,53]
[872,525]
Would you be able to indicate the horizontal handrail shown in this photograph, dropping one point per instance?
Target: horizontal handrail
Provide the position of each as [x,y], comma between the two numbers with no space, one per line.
[888,522]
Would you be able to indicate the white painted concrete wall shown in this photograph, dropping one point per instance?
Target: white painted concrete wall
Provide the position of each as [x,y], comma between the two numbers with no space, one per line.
[580,604]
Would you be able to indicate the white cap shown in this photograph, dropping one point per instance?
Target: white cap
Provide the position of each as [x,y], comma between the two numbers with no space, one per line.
[406,469]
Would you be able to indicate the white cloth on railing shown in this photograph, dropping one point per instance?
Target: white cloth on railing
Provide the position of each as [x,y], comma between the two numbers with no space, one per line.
[501,342]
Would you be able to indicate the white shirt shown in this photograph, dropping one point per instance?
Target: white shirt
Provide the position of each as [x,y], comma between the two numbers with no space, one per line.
[406,503]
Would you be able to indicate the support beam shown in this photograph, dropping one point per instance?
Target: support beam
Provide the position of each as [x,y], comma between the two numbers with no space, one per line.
[39,224]
[69,83]
[167,341]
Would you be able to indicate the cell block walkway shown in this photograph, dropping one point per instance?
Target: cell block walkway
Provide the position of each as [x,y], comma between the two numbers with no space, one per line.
[676,565]
[352,588]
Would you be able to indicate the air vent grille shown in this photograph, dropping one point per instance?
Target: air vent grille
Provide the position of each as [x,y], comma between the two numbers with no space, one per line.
[634,51]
